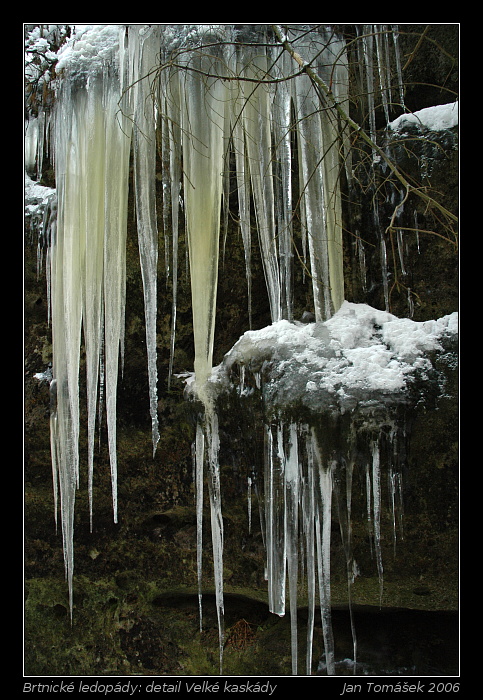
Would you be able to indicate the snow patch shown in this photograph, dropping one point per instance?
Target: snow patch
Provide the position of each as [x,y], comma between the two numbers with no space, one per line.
[437,118]
[89,49]
[35,194]
[359,355]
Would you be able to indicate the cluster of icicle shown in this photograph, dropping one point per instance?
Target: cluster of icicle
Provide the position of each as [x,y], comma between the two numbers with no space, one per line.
[308,472]
[213,94]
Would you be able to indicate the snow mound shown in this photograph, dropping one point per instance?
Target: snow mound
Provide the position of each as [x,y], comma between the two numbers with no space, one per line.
[91,47]
[359,357]
[36,194]
[437,118]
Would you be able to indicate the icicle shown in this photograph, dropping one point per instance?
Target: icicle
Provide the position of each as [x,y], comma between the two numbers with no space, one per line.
[66,294]
[416,226]
[318,141]
[368,61]
[332,66]
[199,455]
[164,149]
[203,130]
[244,213]
[170,104]
[261,515]
[249,504]
[93,180]
[87,273]
[323,485]
[383,256]
[311,149]
[203,124]
[362,263]
[344,505]
[308,512]
[281,128]
[376,493]
[241,383]
[400,247]
[200,114]
[257,128]
[395,38]
[34,140]
[102,374]
[41,142]
[54,438]
[369,506]
[410,303]
[118,145]
[291,528]
[395,484]
[144,49]
[391,479]
[350,561]
[50,233]
[275,520]
[242,177]
[216,523]
[381,68]
[226,182]
[399,498]
[30,145]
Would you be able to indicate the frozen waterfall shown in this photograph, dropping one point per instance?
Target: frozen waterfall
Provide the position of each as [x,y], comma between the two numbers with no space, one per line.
[205,93]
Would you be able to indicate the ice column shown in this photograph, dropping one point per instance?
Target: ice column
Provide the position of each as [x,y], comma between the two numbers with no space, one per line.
[202,117]
[376,494]
[168,101]
[242,178]
[199,455]
[292,489]
[91,146]
[319,142]
[323,513]
[203,103]
[256,121]
[143,55]
[274,483]
[281,125]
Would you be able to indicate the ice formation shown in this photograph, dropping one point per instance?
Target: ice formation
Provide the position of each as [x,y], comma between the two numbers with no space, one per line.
[206,89]
[331,396]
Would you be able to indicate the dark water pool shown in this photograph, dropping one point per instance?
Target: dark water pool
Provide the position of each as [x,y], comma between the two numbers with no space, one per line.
[396,642]
[390,641]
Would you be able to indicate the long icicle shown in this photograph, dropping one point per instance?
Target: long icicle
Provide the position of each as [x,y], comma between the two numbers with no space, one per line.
[308,511]
[292,488]
[203,124]
[257,128]
[376,494]
[118,146]
[323,504]
[199,471]
[145,47]
[87,276]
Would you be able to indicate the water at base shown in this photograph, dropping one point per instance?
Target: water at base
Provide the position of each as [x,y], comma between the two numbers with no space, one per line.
[396,642]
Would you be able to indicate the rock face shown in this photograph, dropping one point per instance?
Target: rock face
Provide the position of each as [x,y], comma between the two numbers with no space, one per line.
[135,608]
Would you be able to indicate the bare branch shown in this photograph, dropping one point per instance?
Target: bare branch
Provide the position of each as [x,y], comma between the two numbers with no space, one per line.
[326,89]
